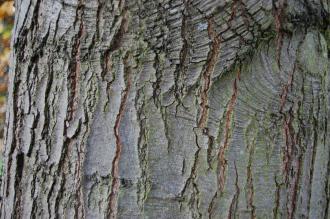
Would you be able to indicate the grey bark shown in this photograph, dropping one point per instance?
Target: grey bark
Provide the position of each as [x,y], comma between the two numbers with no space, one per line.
[168,109]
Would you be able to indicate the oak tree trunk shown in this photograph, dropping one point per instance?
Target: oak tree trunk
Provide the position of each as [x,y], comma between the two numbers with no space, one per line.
[168,109]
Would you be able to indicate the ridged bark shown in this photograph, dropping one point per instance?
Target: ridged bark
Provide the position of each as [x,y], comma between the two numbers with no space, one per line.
[168,109]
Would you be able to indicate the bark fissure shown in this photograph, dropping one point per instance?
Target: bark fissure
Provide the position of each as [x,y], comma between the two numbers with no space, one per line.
[112,209]
[234,201]
[221,155]
[207,74]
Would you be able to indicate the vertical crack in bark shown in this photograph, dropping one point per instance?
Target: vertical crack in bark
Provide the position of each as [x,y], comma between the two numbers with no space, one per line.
[160,56]
[286,89]
[17,122]
[15,151]
[208,71]
[18,187]
[249,179]
[287,122]
[279,19]
[80,207]
[211,206]
[207,74]
[292,154]
[75,68]
[107,66]
[156,84]
[194,201]
[250,192]
[234,203]
[164,117]
[221,155]
[119,36]
[325,142]
[181,68]
[277,197]
[143,184]
[74,91]
[116,42]
[112,208]
[100,5]
[210,148]
[73,87]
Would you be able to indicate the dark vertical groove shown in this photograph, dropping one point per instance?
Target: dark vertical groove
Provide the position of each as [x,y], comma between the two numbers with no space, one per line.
[112,208]
[278,11]
[234,202]
[249,181]
[222,166]
[208,71]
[181,68]
[18,186]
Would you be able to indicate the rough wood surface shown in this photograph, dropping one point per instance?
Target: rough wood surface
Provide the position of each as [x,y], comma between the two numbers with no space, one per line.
[168,109]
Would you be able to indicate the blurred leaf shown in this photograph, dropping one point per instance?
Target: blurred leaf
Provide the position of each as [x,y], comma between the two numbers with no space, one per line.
[6,9]
[6,34]
[6,26]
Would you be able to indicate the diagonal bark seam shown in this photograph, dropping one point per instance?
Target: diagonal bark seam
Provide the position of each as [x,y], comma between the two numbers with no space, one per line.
[208,71]
[221,155]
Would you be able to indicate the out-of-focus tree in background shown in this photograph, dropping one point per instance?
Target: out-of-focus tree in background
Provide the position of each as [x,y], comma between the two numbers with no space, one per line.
[6,25]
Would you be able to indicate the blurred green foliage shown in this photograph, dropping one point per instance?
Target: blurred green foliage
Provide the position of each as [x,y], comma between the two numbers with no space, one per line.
[6,26]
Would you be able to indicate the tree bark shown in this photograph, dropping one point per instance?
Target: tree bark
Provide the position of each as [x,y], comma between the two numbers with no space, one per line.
[168,109]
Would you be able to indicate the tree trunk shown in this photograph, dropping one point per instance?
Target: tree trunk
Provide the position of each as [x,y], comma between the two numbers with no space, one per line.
[168,109]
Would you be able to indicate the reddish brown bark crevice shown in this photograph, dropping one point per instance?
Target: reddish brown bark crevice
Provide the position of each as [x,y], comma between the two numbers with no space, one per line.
[292,164]
[118,38]
[294,186]
[234,8]
[112,208]
[74,76]
[221,155]
[209,69]
[106,65]
[74,90]
[286,88]
[287,126]
[292,155]
[234,201]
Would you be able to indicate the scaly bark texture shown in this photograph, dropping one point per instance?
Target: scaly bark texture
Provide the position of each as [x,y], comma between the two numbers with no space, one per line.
[168,109]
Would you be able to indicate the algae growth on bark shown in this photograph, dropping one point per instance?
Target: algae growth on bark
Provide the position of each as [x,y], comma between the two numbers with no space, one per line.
[168,109]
